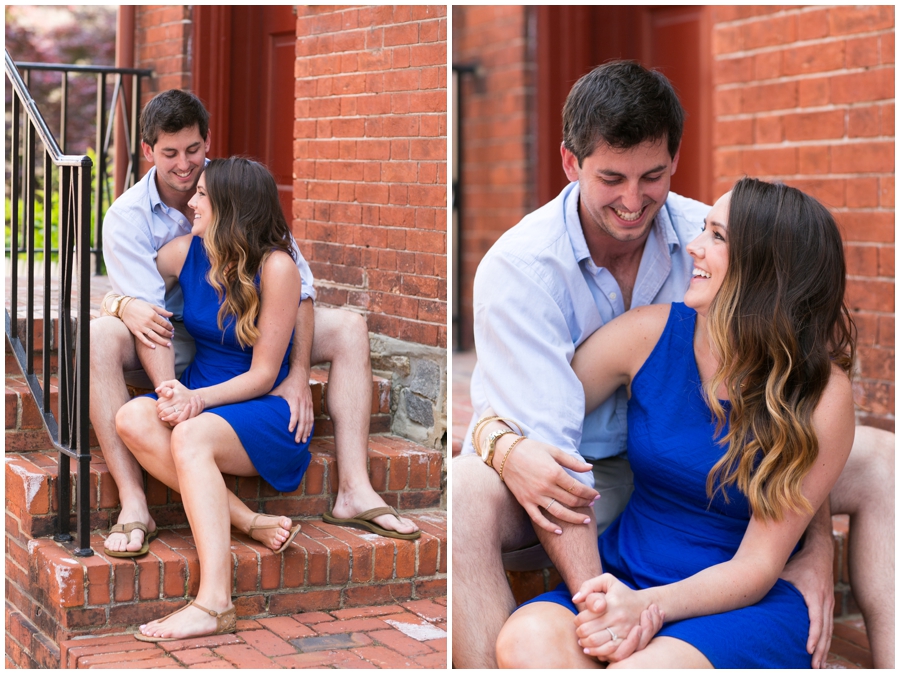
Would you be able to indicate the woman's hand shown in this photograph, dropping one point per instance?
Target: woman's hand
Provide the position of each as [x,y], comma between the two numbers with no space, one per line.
[148,323]
[534,474]
[177,403]
[612,609]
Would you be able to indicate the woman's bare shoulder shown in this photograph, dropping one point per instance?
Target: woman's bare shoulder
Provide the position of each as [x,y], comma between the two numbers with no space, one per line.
[278,268]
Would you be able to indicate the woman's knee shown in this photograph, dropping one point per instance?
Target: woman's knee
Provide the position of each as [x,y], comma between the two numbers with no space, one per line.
[518,640]
[540,635]
[134,421]
[191,441]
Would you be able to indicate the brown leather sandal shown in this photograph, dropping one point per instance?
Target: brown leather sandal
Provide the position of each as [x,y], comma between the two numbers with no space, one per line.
[294,531]
[226,623]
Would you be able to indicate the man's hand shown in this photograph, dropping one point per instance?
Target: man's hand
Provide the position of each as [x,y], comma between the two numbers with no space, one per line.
[810,571]
[148,323]
[535,476]
[295,390]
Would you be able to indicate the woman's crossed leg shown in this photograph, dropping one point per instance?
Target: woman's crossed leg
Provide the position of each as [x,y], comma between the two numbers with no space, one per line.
[191,459]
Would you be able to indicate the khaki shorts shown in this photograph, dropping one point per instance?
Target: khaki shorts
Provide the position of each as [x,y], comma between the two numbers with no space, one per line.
[614,481]
[183,344]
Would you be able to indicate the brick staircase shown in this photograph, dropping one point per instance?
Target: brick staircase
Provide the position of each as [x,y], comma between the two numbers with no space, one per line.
[53,597]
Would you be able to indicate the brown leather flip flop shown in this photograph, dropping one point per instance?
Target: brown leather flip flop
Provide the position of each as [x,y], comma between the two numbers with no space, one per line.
[364,521]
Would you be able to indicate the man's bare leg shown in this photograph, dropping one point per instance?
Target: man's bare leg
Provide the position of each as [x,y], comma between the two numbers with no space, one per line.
[112,353]
[487,520]
[865,491]
[342,338]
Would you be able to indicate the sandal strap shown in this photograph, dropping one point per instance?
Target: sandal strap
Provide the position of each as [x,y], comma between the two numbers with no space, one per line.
[377,512]
[253,526]
[127,528]
[225,621]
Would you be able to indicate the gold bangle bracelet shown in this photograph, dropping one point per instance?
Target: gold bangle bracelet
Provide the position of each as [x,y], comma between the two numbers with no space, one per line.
[476,438]
[508,452]
[481,422]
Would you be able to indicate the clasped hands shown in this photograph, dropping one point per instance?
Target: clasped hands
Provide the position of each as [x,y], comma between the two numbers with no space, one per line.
[177,403]
[615,621]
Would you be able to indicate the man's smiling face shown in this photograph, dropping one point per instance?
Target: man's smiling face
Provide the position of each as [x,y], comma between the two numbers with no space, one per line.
[178,158]
[622,190]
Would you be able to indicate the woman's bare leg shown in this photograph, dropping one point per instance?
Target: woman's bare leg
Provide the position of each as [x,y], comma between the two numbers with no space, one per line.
[203,448]
[665,653]
[149,439]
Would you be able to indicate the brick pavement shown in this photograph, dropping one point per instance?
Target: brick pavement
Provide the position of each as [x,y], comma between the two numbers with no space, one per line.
[849,645]
[412,635]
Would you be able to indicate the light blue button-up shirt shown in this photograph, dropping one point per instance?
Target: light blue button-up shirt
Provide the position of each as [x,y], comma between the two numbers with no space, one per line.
[538,295]
[136,226]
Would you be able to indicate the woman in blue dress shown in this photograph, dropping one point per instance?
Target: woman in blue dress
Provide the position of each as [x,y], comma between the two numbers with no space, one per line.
[740,420]
[241,293]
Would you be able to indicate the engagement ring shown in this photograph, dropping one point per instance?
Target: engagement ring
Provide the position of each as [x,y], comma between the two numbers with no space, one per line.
[612,634]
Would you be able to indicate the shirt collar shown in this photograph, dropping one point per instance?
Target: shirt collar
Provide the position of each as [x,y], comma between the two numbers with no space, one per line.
[155,200]
[662,226]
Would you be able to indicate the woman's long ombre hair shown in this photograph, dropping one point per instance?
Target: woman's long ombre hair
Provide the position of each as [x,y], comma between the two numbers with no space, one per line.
[777,324]
[246,226]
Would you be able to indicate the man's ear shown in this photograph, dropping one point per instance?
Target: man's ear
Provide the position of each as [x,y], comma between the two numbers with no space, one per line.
[675,160]
[208,136]
[569,163]
[148,152]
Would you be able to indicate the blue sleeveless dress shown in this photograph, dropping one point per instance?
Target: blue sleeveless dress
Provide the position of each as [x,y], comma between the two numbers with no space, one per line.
[670,531]
[261,424]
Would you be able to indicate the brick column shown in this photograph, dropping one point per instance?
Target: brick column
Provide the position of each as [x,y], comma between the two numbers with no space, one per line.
[805,96]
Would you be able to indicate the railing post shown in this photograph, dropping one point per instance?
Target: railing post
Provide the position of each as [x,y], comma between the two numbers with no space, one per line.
[101,171]
[29,247]
[64,112]
[14,217]
[48,246]
[82,357]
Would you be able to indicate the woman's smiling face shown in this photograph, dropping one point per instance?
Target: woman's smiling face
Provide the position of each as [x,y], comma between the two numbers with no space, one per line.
[202,208]
[710,254]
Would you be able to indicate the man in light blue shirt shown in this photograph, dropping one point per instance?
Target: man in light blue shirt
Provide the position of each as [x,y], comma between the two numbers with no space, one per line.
[612,240]
[131,341]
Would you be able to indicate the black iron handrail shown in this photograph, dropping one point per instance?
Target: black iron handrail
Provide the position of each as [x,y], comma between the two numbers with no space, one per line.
[69,426]
[104,125]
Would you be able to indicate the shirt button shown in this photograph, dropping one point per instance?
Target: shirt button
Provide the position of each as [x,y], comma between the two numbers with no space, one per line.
[612,296]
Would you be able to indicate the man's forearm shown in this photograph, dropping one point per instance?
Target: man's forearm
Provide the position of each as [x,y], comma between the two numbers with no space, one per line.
[158,363]
[301,350]
[574,553]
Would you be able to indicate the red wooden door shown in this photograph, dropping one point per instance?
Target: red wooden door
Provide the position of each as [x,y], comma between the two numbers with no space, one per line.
[244,73]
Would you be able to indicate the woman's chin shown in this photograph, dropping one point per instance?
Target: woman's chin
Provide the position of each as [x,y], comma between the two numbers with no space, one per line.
[697,304]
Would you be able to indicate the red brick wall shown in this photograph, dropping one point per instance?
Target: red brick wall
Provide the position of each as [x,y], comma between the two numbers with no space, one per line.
[806,96]
[370,187]
[162,38]
[498,133]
